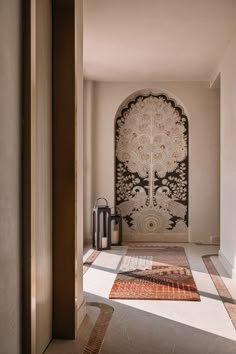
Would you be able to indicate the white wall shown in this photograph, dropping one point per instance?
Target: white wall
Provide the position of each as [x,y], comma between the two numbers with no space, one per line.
[203,108]
[10,175]
[88,156]
[228,160]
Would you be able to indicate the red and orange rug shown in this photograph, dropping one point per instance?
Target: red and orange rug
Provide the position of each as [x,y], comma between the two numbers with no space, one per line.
[155,272]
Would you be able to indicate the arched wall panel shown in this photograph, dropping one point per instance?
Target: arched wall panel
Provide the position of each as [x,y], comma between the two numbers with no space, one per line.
[151,167]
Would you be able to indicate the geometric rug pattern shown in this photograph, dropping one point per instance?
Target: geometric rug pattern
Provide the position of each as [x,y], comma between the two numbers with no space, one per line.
[168,278]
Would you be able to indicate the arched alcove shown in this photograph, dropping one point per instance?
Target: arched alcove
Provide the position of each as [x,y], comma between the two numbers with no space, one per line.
[151,167]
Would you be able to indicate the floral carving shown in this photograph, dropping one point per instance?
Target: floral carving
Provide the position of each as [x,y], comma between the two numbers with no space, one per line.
[152,165]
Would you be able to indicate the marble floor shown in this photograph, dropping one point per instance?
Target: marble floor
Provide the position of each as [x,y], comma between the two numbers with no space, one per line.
[152,326]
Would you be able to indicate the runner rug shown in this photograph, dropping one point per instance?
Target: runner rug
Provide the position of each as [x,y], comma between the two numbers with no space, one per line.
[155,272]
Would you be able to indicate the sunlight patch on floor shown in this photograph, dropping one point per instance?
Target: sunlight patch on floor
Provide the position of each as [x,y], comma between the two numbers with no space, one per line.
[208,315]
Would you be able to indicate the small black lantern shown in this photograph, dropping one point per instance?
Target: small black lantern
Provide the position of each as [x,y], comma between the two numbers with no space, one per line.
[116,233]
[101,225]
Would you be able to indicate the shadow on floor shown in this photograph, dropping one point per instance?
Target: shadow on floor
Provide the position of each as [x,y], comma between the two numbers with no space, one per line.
[139,332]
[133,331]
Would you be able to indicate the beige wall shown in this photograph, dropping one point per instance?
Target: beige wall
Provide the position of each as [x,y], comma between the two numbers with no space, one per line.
[88,157]
[43,175]
[203,109]
[10,175]
[79,159]
[228,161]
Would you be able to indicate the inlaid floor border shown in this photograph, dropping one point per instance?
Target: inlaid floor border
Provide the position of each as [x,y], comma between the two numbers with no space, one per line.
[89,261]
[99,329]
[226,297]
[97,335]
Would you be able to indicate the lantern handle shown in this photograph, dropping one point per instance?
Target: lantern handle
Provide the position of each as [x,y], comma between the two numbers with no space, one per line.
[96,202]
[116,208]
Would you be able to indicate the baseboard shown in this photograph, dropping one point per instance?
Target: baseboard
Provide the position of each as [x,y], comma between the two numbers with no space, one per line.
[81,313]
[227,265]
[215,240]
[165,237]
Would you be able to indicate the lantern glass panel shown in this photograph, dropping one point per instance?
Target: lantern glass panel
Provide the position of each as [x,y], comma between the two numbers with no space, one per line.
[114,232]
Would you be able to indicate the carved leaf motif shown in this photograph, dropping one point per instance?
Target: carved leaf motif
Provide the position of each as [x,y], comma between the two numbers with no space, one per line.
[151,165]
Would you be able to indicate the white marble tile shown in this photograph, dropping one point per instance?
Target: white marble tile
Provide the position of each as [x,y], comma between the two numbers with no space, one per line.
[208,315]
[160,327]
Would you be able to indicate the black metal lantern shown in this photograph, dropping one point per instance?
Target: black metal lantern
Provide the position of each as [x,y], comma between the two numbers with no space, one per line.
[116,233]
[101,225]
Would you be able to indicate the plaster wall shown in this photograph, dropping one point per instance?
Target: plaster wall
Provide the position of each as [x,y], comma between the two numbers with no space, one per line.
[227,71]
[10,175]
[201,105]
[43,174]
[81,309]
[88,157]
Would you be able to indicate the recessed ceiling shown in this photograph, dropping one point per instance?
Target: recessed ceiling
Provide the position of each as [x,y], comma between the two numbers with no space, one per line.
[155,40]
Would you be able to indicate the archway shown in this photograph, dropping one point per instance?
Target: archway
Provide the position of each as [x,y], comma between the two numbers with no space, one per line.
[151,168]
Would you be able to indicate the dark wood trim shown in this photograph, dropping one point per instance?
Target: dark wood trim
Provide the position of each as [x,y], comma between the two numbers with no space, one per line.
[64,173]
[64,170]
[29,178]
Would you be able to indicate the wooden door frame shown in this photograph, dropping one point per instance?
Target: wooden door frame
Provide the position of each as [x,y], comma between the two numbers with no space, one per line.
[64,170]
[64,173]
[29,178]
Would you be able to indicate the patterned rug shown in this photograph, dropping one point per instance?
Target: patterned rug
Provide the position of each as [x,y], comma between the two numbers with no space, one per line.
[155,272]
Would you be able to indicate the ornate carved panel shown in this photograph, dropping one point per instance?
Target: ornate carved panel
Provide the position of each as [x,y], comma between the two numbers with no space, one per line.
[151,165]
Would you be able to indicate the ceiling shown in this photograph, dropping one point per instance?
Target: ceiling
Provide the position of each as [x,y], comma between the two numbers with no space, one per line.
[156,40]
